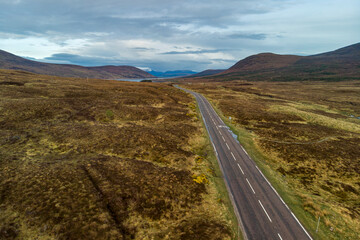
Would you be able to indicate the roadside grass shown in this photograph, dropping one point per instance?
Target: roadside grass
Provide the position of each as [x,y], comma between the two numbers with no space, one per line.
[307,147]
[217,181]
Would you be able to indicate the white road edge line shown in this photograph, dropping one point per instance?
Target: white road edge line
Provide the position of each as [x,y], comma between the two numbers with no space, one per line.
[265,211]
[297,220]
[272,187]
[214,148]
[227,146]
[221,121]
[233,156]
[250,185]
[280,236]
[241,169]
[244,150]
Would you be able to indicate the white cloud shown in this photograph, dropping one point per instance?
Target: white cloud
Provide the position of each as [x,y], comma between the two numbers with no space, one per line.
[39,47]
[145,69]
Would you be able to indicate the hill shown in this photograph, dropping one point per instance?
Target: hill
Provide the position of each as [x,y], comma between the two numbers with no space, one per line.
[341,64]
[263,61]
[207,72]
[11,61]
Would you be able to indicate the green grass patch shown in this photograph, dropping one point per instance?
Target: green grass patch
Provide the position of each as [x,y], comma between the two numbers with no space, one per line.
[310,117]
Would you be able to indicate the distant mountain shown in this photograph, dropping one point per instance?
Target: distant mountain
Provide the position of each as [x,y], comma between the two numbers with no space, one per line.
[341,64]
[10,61]
[263,61]
[207,72]
[168,74]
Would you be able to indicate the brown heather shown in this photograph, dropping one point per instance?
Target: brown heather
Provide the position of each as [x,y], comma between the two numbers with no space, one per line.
[96,159]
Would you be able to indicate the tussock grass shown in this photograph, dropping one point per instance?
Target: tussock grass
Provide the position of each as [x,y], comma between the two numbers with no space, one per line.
[310,117]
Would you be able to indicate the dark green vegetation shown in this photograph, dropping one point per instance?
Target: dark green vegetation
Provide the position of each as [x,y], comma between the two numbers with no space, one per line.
[305,136]
[95,159]
[10,61]
[340,65]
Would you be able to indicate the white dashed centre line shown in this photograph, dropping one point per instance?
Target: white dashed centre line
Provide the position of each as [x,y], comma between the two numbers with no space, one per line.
[233,156]
[265,211]
[250,185]
[280,236]
[227,146]
[241,169]
[223,138]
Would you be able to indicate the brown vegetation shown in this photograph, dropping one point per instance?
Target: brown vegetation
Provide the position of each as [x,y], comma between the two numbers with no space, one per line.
[10,61]
[95,159]
[339,65]
[309,135]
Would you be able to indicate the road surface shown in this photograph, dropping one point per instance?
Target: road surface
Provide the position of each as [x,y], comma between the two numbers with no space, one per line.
[261,211]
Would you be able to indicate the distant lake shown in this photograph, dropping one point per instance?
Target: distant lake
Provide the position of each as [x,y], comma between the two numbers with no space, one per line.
[140,79]
[134,80]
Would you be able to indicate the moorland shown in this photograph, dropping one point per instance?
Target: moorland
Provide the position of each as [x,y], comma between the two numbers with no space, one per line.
[97,159]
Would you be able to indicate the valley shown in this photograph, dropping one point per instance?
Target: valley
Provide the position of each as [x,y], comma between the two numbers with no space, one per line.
[86,158]
[180,120]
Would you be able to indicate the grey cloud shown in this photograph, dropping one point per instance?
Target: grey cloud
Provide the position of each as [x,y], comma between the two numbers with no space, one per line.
[83,60]
[128,17]
[255,36]
[206,26]
[191,52]
[143,49]
[224,60]
[160,65]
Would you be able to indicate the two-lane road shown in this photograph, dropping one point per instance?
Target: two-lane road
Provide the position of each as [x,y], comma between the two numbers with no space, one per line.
[262,212]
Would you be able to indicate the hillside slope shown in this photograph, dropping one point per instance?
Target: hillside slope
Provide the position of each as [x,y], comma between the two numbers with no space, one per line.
[264,61]
[10,61]
[341,64]
[207,72]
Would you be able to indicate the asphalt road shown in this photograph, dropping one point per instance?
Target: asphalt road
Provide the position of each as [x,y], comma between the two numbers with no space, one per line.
[261,211]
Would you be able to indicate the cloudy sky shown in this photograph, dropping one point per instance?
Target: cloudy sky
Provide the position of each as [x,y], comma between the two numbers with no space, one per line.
[172,34]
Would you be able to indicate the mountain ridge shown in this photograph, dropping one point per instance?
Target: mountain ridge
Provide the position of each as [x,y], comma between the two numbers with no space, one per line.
[11,61]
[206,72]
[340,64]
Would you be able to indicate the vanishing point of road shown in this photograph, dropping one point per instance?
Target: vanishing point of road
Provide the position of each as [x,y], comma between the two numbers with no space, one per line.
[261,211]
